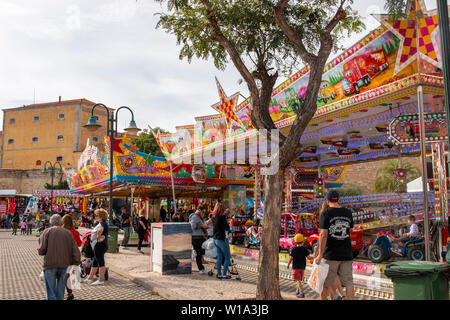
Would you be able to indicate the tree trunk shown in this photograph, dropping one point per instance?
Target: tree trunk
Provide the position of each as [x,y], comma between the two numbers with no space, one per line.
[268,275]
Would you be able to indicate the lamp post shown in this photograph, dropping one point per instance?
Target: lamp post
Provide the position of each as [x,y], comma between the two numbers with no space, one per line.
[92,125]
[51,168]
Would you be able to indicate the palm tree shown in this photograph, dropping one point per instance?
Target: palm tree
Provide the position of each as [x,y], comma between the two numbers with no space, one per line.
[386,181]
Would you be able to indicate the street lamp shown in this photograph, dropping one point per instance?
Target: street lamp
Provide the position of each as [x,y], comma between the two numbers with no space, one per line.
[51,169]
[132,129]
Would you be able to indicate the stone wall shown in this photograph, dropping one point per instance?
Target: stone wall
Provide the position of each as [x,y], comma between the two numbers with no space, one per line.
[363,175]
[24,181]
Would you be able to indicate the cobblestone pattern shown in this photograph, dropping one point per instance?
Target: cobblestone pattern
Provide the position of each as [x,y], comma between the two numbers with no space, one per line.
[20,266]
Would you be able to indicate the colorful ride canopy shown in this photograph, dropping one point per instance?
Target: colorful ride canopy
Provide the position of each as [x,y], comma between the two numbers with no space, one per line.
[133,167]
[363,89]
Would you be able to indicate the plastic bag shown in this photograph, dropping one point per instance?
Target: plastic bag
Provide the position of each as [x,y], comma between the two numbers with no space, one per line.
[211,253]
[318,275]
[41,276]
[208,244]
[74,277]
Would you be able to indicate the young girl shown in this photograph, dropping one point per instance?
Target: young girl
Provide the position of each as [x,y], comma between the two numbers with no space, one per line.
[23,227]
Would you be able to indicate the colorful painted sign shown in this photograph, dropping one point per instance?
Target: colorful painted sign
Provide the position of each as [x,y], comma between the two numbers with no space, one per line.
[56,193]
[237,202]
[406,130]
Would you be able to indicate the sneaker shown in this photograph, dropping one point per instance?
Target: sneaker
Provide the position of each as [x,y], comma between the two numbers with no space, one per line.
[122,247]
[226,277]
[297,292]
[87,281]
[337,297]
[140,251]
[301,294]
[98,283]
[202,271]
[219,277]
[70,297]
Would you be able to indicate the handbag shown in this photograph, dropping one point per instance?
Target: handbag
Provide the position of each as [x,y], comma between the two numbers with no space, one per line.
[74,279]
[317,277]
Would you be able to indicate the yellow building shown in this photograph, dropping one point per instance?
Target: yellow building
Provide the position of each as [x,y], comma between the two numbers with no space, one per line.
[53,131]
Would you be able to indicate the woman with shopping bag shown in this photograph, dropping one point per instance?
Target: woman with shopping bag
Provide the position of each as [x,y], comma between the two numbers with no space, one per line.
[67,223]
[335,248]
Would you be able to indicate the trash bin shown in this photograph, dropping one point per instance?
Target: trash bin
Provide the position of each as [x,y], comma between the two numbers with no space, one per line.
[419,280]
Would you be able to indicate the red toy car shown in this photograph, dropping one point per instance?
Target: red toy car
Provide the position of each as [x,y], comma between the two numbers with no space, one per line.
[356,238]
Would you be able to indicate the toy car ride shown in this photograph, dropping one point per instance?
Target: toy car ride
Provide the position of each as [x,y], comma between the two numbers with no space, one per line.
[382,248]
[237,229]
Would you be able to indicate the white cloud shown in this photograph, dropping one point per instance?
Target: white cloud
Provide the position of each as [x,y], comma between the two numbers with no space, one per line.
[109,52]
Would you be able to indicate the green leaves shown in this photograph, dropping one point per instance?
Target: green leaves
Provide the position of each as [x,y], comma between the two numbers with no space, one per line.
[386,181]
[146,143]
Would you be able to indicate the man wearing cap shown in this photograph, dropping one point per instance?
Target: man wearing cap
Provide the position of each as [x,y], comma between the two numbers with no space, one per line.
[335,247]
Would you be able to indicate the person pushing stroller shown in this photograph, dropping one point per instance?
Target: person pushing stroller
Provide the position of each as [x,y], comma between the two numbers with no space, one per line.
[220,225]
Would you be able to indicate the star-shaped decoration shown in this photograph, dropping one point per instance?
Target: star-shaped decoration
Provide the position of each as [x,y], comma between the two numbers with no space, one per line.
[133,148]
[226,106]
[158,141]
[406,30]
[116,146]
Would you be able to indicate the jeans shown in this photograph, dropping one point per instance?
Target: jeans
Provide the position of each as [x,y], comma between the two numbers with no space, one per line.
[223,252]
[141,235]
[15,225]
[126,236]
[55,283]
[29,228]
[197,244]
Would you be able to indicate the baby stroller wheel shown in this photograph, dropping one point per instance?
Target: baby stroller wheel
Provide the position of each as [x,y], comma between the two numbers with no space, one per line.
[238,278]
[210,273]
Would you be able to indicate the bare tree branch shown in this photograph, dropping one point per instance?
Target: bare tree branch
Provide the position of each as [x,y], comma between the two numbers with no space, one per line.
[295,38]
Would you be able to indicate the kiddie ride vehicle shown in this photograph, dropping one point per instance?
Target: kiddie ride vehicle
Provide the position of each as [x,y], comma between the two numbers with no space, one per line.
[382,249]
[356,238]
[304,223]
[252,235]
[237,229]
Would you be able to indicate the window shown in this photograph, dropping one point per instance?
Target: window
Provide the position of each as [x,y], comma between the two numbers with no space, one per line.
[38,163]
[12,121]
[60,137]
[61,116]
[36,118]
[95,139]
[10,141]
[59,158]
[34,139]
[9,162]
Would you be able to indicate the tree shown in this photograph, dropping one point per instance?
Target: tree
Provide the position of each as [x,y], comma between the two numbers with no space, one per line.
[261,38]
[349,192]
[386,181]
[146,142]
[61,185]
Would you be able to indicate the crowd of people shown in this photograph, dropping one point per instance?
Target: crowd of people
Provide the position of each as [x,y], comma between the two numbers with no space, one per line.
[60,243]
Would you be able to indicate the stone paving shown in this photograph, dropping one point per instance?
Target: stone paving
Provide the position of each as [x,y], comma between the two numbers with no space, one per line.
[20,266]
[196,286]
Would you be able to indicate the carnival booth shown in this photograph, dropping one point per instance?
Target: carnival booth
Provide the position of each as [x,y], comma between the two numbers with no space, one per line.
[379,99]
[11,202]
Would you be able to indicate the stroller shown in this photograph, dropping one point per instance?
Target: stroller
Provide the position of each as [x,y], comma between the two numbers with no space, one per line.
[211,252]
[88,253]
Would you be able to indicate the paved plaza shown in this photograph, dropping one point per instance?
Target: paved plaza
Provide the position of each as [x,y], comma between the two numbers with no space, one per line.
[130,278]
[20,266]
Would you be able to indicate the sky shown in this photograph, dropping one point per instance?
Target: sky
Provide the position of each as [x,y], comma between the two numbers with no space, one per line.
[108,51]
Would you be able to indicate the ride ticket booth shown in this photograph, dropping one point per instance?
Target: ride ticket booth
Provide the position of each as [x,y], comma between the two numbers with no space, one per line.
[171,248]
